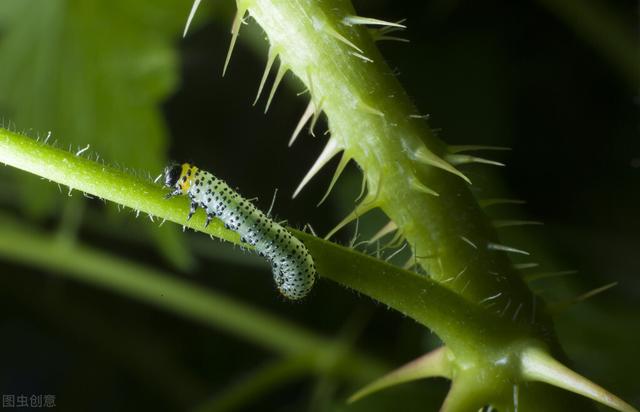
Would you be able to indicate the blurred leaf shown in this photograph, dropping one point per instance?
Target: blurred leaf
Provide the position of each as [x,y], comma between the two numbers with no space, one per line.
[94,72]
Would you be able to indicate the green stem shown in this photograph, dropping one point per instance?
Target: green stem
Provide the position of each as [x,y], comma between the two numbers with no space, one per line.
[431,304]
[261,381]
[166,292]
[373,121]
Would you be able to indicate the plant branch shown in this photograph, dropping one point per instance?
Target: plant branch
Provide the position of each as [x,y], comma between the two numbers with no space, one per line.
[419,297]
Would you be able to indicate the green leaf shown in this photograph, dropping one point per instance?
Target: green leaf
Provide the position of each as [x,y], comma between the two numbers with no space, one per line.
[96,73]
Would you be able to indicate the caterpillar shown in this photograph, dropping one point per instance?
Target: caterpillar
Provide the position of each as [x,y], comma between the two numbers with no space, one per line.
[293,269]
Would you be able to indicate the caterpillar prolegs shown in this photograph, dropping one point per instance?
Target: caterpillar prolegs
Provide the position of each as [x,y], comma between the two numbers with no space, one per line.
[293,268]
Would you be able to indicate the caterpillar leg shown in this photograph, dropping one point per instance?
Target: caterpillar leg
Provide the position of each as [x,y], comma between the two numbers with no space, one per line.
[192,210]
[209,218]
[176,192]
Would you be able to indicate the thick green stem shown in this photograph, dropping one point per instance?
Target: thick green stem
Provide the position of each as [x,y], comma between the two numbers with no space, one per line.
[373,120]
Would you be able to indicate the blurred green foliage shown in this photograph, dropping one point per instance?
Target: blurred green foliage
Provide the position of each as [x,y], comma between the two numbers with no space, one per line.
[93,74]
[106,74]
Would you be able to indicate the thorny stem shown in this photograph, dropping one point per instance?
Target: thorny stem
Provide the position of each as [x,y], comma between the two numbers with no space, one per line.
[373,121]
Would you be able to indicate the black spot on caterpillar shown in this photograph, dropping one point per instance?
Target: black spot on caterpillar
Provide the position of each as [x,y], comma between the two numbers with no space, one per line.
[293,269]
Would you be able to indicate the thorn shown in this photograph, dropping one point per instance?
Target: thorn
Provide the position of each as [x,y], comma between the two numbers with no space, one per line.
[510,223]
[515,314]
[282,70]
[364,207]
[420,187]
[361,57]
[473,148]
[368,109]
[363,187]
[330,150]
[433,364]
[390,38]
[560,306]
[270,59]
[424,155]
[523,266]
[503,248]
[457,159]
[333,33]
[308,112]
[537,365]
[470,243]
[496,296]
[386,229]
[359,20]
[317,104]
[235,30]
[343,163]
[492,202]
[316,116]
[192,13]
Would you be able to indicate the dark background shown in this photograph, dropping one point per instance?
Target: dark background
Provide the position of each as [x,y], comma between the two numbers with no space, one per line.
[516,74]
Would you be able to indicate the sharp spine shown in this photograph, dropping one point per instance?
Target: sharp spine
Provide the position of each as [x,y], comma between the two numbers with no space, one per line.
[331,149]
[333,33]
[365,206]
[235,30]
[368,109]
[420,187]
[270,60]
[436,363]
[360,20]
[316,116]
[343,163]
[192,13]
[390,38]
[362,57]
[282,70]
[469,242]
[424,155]
[503,248]
[386,229]
[303,120]
[457,159]
[523,266]
[537,365]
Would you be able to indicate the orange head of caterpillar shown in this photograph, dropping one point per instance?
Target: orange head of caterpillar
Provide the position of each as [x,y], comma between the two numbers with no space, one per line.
[179,177]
